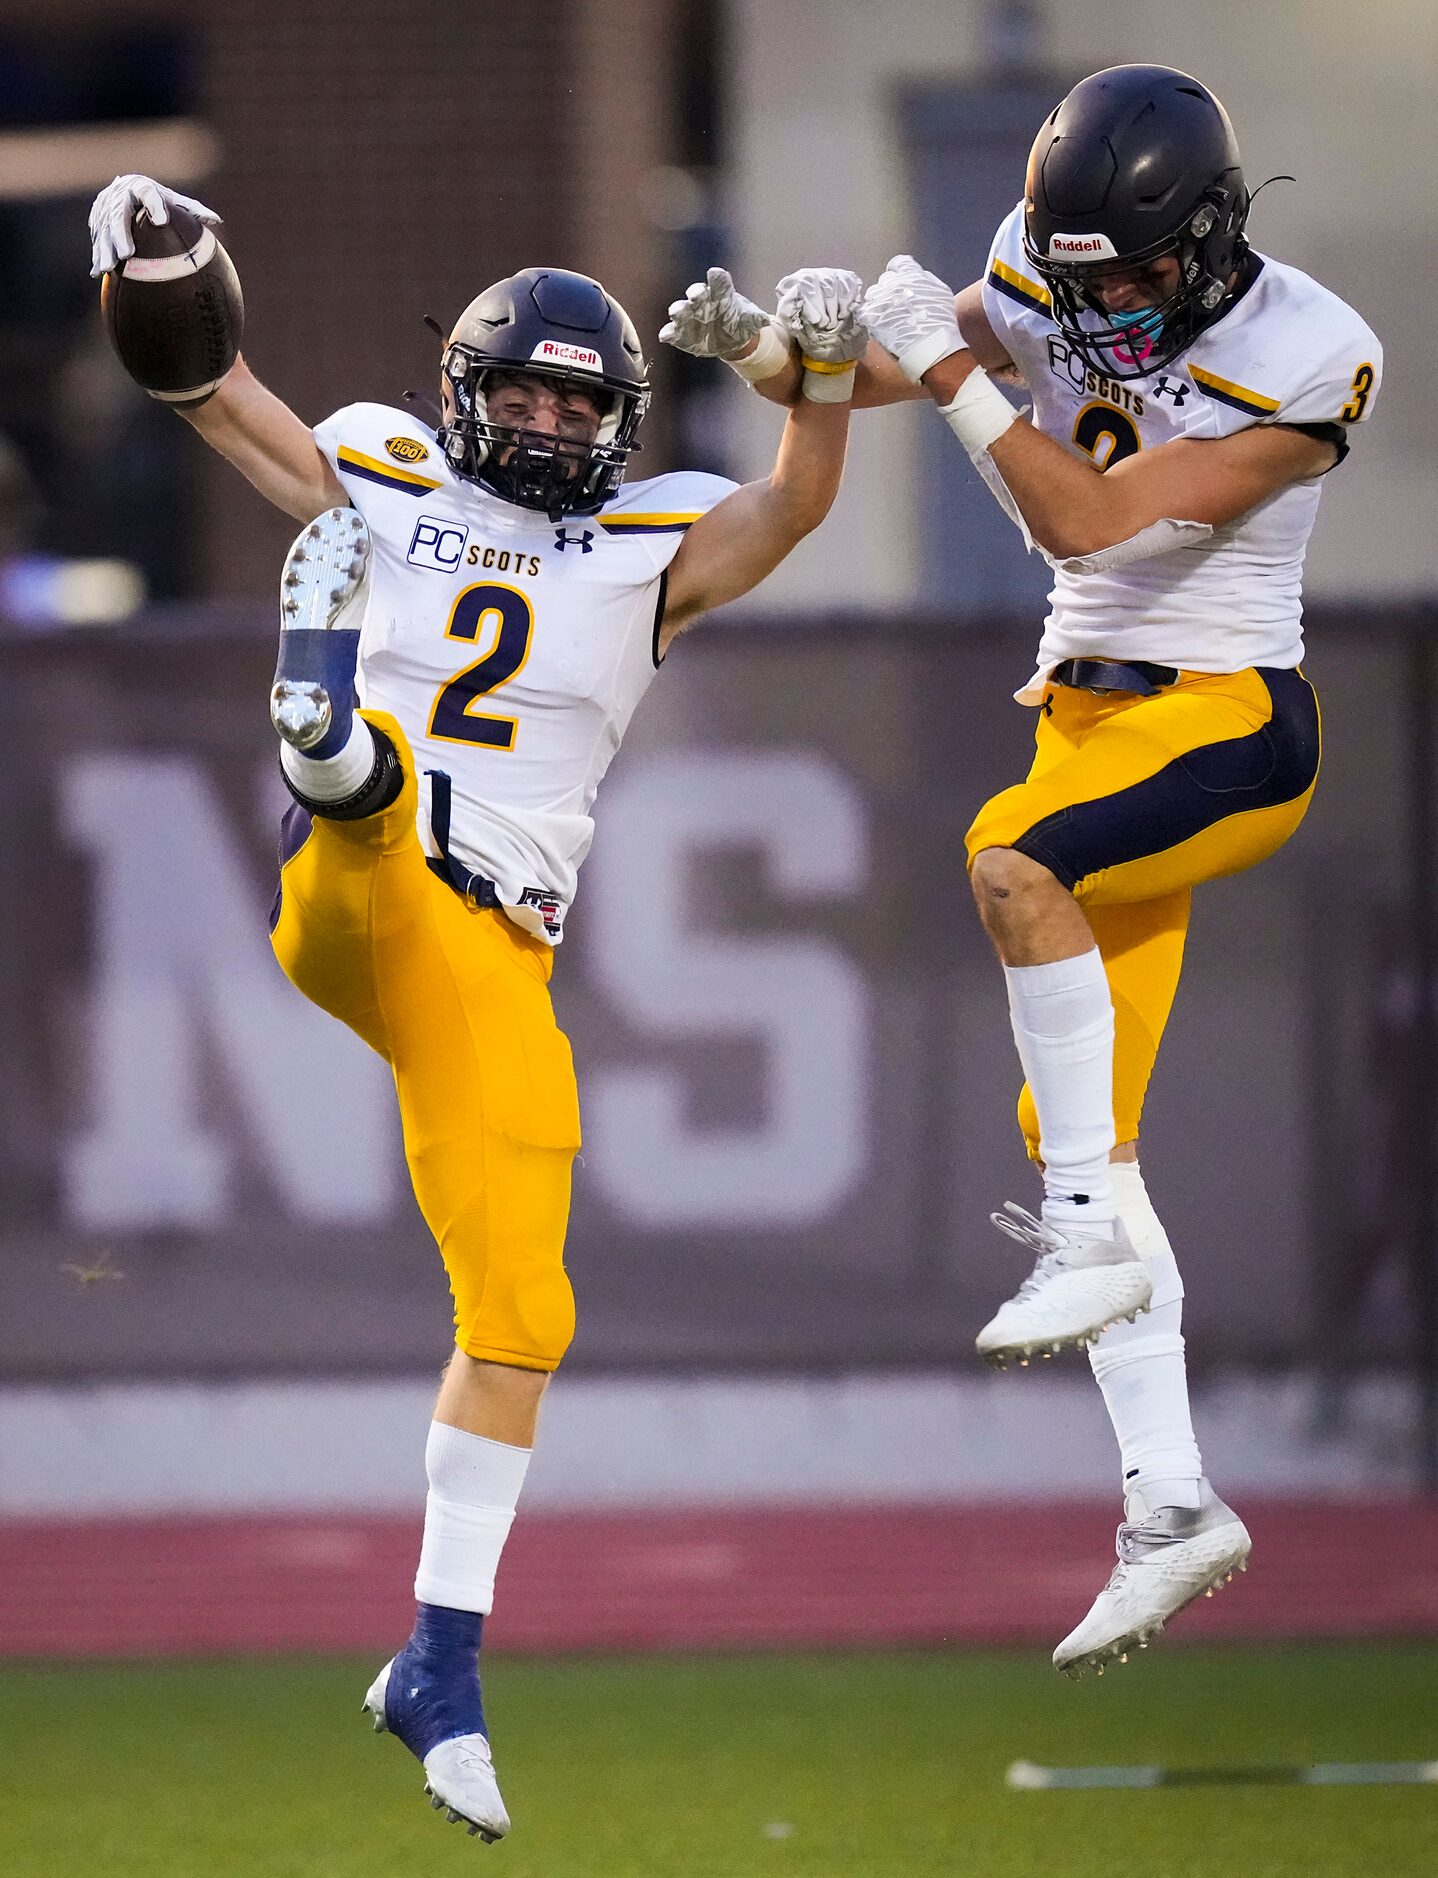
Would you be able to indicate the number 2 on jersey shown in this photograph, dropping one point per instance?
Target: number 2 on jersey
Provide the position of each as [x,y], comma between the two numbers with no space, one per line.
[506,612]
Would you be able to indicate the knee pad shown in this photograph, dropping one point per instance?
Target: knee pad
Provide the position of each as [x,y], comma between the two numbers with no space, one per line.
[524,1317]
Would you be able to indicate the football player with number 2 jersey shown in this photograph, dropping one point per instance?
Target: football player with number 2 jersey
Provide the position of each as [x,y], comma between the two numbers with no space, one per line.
[1188,396]
[469,618]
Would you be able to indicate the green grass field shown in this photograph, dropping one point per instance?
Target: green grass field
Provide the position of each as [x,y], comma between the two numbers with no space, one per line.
[879,1766]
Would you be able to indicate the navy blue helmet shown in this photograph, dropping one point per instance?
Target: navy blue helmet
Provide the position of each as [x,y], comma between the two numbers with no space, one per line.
[562,326]
[1137,163]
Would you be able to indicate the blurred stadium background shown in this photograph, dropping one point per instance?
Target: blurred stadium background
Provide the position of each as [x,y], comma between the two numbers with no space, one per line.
[220,1318]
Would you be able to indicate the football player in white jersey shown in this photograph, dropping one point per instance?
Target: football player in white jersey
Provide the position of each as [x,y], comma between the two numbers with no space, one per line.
[469,618]
[1188,396]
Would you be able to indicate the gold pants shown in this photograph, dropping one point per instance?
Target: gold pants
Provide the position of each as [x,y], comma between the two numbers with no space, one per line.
[1131,802]
[456,1000]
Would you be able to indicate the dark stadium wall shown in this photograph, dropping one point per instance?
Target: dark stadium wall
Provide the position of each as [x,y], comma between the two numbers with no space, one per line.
[382,163]
[378,163]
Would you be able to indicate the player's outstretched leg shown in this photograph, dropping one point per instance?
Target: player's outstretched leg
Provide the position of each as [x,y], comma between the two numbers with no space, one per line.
[429,1695]
[335,764]
[1165,1560]
[1086,1273]
[1178,1539]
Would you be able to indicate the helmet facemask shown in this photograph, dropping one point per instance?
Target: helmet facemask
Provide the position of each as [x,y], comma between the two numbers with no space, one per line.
[531,468]
[1209,247]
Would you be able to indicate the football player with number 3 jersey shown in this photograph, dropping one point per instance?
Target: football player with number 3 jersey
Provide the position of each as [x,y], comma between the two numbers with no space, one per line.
[468,620]
[1188,396]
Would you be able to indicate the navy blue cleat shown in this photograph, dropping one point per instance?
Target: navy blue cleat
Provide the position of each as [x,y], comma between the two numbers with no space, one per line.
[428,1697]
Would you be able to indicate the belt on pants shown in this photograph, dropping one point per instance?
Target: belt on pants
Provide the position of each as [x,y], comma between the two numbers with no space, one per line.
[1115,675]
[475,889]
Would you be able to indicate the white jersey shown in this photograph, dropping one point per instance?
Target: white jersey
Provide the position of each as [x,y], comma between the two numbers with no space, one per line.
[1287,351]
[511,649]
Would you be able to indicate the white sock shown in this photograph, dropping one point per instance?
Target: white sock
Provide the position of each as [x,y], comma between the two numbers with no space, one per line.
[1062,1016]
[1140,1369]
[331,778]
[474,1488]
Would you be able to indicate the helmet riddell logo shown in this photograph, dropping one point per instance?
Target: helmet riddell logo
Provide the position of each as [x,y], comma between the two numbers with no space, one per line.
[406,449]
[583,358]
[1082,247]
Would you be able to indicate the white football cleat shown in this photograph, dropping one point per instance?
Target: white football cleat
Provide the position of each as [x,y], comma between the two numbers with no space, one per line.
[1165,1561]
[459,1772]
[321,605]
[1085,1280]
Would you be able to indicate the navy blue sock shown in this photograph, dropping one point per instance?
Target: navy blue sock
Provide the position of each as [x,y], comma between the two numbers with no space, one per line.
[433,1691]
[309,656]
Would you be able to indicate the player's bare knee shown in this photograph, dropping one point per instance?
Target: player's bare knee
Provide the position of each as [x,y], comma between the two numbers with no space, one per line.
[1010,890]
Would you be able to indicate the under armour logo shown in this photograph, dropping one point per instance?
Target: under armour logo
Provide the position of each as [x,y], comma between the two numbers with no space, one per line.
[1165,389]
[584,542]
[1047,707]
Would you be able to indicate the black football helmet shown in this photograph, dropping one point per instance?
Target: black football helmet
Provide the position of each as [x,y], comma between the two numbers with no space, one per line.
[1138,162]
[562,326]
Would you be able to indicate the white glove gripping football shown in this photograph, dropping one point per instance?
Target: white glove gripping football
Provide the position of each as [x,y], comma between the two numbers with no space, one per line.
[911,313]
[112,217]
[819,306]
[715,321]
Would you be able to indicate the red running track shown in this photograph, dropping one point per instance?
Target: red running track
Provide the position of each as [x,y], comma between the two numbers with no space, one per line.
[711,1579]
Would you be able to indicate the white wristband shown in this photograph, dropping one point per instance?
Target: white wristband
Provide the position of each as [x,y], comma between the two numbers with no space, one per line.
[767,359]
[828,384]
[978,413]
[926,352]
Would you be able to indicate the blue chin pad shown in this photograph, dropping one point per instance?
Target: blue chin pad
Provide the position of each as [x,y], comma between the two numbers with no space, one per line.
[1146,321]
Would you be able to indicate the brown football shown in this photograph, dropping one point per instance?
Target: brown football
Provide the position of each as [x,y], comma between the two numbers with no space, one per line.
[174,310]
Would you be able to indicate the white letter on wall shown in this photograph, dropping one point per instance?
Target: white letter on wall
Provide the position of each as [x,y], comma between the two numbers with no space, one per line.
[181,950]
[803,997]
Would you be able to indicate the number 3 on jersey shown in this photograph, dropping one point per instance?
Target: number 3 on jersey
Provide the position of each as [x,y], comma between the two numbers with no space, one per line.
[506,612]
[1107,434]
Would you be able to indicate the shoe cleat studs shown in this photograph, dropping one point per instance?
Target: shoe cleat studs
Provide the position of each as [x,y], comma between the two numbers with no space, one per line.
[1123,1656]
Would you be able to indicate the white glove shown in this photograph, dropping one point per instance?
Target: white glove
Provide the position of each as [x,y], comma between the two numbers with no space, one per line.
[112,217]
[714,320]
[911,313]
[819,306]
